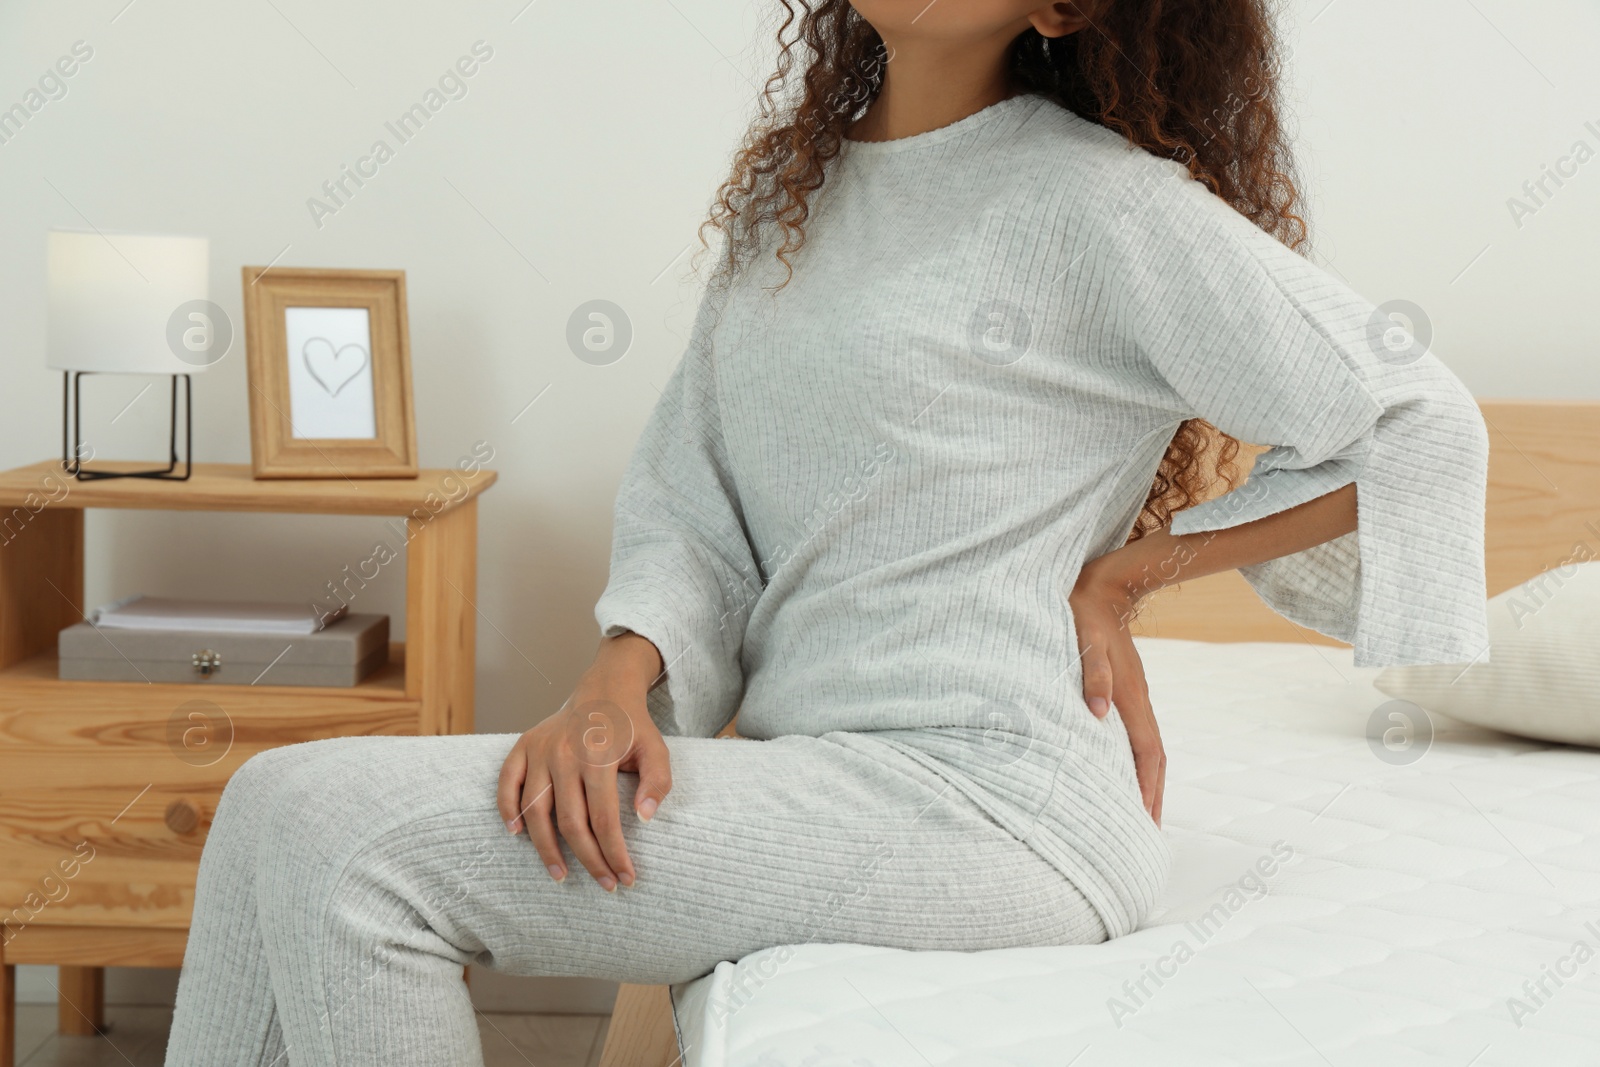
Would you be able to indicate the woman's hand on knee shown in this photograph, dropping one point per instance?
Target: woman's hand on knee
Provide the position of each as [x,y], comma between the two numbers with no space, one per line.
[562,774]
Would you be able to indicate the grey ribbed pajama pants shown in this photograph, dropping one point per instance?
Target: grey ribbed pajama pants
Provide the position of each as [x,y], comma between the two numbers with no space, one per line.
[346,882]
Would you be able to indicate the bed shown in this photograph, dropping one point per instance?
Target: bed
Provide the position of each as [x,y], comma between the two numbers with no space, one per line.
[1333,901]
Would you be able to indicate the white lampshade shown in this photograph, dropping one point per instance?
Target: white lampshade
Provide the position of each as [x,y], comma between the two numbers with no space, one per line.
[113,298]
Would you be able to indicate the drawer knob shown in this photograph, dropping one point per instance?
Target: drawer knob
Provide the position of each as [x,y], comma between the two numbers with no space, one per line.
[183,815]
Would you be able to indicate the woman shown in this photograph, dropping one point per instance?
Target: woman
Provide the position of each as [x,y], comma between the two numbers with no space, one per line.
[936,434]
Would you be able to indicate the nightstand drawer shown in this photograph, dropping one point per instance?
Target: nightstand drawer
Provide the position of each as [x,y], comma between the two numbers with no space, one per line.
[104,855]
[109,788]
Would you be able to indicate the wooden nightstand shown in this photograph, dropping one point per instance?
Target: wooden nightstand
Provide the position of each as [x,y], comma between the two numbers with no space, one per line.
[107,788]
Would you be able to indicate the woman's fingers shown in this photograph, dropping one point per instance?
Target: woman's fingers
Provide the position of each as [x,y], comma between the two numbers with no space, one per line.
[1161,788]
[509,793]
[524,800]
[1149,756]
[654,763]
[538,801]
[555,783]
[1096,672]
[572,817]
[1114,675]
[600,786]
[1149,762]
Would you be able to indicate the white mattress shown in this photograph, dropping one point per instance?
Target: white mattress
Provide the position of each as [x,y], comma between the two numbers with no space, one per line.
[1419,899]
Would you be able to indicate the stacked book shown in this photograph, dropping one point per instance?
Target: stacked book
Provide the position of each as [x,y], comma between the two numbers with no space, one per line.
[159,639]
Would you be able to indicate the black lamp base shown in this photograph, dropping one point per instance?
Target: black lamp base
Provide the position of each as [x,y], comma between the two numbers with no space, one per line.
[71,424]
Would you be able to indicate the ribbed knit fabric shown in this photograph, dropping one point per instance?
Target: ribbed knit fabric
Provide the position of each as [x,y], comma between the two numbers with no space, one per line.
[345,883]
[865,496]
[854,520]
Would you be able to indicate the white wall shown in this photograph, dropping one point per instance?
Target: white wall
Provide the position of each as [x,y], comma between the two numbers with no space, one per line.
[578,165]
[1418,122]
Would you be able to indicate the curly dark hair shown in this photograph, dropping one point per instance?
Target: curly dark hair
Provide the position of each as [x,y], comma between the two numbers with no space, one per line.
[1195,81]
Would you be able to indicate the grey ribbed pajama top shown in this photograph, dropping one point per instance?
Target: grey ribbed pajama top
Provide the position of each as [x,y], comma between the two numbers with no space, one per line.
[854,519]
[863,498]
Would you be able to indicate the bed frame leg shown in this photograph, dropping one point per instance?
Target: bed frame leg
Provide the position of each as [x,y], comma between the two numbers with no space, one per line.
[641,1033]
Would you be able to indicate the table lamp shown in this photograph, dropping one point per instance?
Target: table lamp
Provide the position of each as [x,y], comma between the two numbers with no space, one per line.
[130,304]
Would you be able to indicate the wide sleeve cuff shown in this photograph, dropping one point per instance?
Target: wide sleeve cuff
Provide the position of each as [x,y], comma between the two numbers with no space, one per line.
[1407,586]
[667,595]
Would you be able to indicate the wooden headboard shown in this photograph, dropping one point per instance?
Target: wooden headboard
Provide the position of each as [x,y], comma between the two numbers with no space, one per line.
[1544,501]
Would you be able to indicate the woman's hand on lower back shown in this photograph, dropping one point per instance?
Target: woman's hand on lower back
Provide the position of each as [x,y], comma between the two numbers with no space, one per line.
[1113,674]
[562,774]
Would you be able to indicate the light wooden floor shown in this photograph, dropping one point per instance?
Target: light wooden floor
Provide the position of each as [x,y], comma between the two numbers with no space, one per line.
[138,1038]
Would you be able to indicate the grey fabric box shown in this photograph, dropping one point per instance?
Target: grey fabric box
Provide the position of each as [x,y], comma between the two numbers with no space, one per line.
[342,653]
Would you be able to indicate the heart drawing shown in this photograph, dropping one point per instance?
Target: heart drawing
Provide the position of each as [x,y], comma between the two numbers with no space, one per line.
[333,368]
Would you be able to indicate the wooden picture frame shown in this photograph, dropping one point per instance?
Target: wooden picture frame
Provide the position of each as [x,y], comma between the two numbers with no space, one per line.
[329,365]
